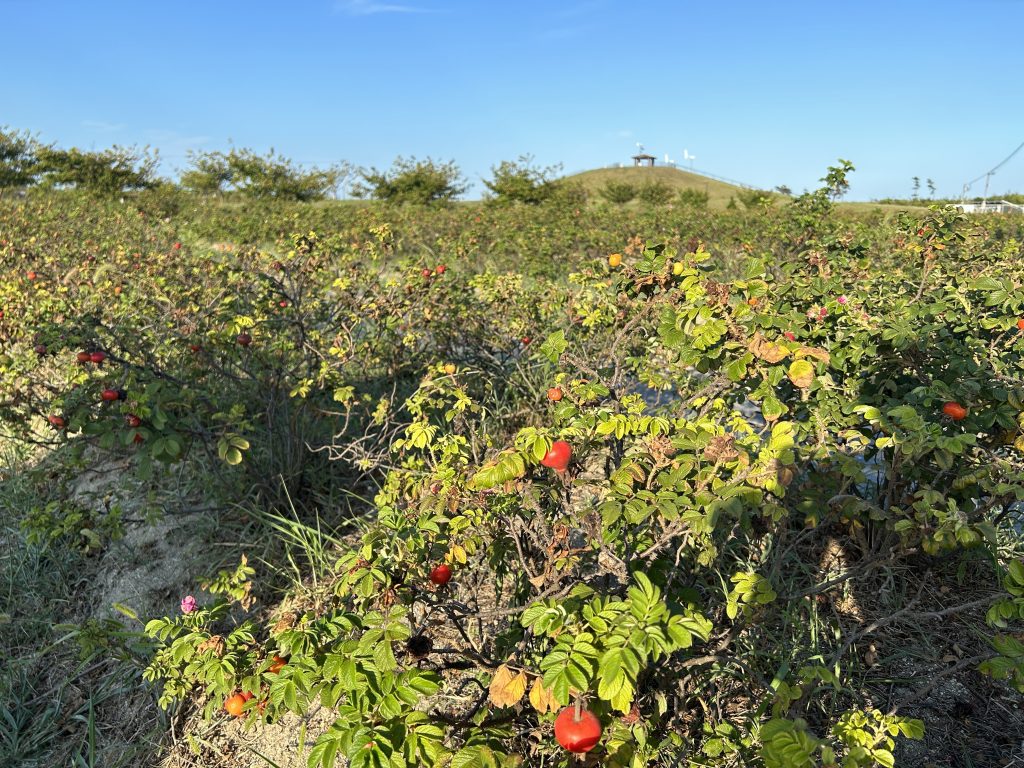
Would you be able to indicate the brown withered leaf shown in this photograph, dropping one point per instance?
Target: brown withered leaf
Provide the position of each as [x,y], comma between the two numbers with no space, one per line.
[717,293]
[248,599]
[871,656]
[632,716]
[816,352]
[541,698]
[660,447]
[721,448]
[507,687]
[215,644]
[761,476]
[768,351]
[283,624]
[786,476]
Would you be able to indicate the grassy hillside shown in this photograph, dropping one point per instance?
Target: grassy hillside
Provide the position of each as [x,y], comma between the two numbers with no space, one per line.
[718,192]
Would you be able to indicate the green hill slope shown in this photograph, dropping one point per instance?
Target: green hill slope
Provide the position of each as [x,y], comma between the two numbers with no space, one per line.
[718,192]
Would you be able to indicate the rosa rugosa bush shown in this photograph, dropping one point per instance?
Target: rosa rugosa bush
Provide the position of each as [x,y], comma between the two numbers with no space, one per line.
[738,424]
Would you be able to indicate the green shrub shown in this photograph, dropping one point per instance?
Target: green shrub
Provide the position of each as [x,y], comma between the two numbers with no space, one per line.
[693,198]
[420,182]
[522,182]
[619,192]
[753,440]
[18,159]
[655,193]
[110,172]
[753,199]
[258,176]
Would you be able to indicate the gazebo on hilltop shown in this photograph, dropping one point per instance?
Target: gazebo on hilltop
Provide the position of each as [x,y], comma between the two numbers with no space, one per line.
[643,159]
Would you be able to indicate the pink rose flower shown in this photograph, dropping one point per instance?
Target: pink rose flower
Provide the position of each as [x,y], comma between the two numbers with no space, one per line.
[188,604]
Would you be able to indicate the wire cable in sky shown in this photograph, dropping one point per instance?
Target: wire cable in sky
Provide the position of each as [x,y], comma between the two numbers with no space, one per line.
[1007,159]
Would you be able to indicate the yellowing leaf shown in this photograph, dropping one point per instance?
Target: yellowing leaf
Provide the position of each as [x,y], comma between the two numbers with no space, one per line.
[815,352]
[541,698]
[801,373]
[507,687]
[768,351]
[458,554]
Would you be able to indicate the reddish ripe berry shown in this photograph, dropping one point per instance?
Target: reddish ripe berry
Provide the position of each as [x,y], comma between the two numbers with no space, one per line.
[1020,323]
[790,335]
[110,395]
[555,394]
[57,422]
[426,273]
[558,457]
[194,347]
[235,705]
[31,275]
[244,339]
[176,246]
[133,421]
[277,664]
[525,340]
[138,438]
[246,695]
[83,357]
[440,268]
[282,303]
[98,357]
[577,733]
[954,410]
[441,575]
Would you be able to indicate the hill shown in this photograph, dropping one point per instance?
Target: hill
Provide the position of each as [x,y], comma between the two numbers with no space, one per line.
[718,192]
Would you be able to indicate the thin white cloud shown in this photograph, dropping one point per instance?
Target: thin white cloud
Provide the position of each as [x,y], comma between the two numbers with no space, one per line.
[372,7]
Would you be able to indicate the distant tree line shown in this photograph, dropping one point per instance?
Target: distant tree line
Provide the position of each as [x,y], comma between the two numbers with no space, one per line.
[25,162]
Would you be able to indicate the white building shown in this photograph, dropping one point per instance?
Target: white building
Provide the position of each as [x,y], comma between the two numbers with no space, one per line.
[990,206]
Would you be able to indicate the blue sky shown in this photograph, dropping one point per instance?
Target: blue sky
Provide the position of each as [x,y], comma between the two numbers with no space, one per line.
[766,93]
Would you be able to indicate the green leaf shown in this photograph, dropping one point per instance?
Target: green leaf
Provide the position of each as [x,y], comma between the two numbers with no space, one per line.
[772,408]
[553,346]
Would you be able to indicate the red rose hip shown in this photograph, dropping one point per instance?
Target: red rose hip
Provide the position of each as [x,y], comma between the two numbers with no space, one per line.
[954,410]
[441,575]
[558,457]
[577,733]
